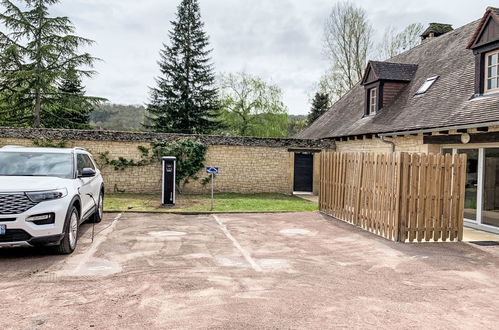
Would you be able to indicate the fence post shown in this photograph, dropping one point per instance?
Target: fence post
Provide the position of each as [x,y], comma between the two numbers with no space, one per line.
[401,219]
[321,177]
[462,182]
[359,186]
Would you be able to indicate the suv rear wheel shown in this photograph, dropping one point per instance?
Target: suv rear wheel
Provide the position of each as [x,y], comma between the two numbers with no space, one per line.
[68,243]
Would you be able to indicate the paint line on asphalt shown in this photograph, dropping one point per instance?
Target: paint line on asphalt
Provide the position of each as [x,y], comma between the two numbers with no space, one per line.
[99,239]
[245,253]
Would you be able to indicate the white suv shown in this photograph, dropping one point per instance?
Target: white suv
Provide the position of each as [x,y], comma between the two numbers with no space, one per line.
[45,194]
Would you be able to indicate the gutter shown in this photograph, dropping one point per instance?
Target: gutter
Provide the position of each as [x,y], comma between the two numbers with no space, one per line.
[447,128]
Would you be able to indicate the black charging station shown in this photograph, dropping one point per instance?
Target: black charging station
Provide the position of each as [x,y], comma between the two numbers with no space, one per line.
[169,172]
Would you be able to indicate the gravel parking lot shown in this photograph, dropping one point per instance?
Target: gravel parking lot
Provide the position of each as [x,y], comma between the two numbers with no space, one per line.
[293,270]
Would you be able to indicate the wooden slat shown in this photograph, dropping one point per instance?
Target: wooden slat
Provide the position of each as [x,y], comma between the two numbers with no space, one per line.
[421,197]
[462,186]
[437,223]
[454,193]
[428,199]
[403,186]
[447,197]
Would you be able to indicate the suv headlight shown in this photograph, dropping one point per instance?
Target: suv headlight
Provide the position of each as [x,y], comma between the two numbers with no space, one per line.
[41,196]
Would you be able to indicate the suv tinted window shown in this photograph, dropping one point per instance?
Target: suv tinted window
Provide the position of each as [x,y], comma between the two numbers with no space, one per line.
[18,163]
[83,161]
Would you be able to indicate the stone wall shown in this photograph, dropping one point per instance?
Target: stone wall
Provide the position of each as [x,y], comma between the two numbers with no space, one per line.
[412,144]
[247,165]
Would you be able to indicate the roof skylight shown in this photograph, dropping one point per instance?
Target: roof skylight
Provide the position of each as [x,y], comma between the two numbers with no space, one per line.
[427,84]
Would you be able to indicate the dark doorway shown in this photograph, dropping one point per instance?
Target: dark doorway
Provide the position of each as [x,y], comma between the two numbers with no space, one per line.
[304,172]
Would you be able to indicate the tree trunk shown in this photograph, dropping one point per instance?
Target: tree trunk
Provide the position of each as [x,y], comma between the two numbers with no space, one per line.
[38,96]
[38,105]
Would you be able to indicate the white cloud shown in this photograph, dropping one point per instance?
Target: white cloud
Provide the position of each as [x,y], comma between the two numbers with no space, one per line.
[279,40]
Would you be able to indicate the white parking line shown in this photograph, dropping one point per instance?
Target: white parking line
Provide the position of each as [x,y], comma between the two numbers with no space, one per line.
[100,238]
[245,253]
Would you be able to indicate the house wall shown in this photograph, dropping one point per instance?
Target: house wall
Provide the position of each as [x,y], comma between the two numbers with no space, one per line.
[413,144]
[247,165]
[410,143]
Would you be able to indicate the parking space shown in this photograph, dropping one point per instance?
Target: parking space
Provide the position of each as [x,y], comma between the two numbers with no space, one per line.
[291,270]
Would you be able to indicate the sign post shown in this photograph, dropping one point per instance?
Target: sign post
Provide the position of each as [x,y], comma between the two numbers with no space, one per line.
[212,171]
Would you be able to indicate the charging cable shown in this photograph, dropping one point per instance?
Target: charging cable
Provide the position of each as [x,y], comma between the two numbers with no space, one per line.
[97,210]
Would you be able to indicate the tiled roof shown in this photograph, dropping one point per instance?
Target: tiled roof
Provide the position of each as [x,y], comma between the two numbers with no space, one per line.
[447,103]
[393,71]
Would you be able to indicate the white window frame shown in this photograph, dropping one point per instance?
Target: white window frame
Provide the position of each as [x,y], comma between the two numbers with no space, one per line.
[427,85]
[478,223]
[486,72]
[373,100]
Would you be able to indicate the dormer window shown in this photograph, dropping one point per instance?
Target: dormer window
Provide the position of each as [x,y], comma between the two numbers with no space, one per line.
[492,72]
[485,46]
[373,101]
[382,82]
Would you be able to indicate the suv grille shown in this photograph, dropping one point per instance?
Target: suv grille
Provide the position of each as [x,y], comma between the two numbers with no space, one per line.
[15,235]
[14,204]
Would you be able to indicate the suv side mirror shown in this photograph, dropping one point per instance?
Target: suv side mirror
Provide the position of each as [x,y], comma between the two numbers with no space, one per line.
[87,173]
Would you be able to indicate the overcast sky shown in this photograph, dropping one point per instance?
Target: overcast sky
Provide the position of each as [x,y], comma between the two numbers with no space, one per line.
[279,40]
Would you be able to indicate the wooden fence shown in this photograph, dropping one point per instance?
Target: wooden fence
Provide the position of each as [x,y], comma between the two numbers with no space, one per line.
[400,196]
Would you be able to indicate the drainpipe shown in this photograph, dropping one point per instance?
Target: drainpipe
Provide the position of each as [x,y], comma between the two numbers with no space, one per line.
[391,143]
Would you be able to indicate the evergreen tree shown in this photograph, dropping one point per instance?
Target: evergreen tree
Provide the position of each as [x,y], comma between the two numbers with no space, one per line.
[320,105]
[72,108]
[185,99]
[36,50]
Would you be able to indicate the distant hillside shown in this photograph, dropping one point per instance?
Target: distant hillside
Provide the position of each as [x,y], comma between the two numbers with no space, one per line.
[119,117]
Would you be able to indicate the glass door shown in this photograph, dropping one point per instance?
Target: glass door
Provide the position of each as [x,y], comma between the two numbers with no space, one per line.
[471,190]
[490,205]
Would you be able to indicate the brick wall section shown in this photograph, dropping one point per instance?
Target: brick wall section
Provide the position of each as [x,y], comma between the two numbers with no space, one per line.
[248,170]
[413,144]
[247,165]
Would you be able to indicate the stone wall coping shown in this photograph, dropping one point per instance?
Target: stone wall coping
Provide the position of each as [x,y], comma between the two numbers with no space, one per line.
[120,136]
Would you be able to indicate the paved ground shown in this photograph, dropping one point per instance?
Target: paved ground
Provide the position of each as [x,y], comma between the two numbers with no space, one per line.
[473,235]
[298,270]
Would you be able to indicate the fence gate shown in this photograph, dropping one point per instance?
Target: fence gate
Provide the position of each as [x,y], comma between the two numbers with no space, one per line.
[400,196]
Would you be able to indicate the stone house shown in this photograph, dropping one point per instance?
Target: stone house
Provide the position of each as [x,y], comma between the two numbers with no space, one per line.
[440,97]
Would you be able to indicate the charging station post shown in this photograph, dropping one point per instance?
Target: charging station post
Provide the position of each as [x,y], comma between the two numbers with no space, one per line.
[169,176]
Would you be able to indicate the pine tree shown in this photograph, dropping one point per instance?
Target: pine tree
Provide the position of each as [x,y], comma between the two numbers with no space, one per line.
[320,105]
[35,52]
[185,99]
[72,108]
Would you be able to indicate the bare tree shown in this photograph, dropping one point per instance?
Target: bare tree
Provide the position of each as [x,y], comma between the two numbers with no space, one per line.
[348,35]
[395,43]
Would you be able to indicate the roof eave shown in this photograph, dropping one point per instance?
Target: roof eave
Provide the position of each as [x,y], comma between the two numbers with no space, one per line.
[489,14]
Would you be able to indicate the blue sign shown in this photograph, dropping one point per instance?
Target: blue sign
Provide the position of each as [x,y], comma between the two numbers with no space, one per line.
[212,170]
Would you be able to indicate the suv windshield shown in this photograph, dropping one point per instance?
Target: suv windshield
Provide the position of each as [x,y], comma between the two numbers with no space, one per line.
[36,164]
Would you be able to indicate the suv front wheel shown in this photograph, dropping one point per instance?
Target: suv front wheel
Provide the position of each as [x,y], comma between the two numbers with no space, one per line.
[68,243]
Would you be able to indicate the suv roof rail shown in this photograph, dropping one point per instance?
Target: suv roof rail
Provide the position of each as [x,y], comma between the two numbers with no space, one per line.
[80,148]
[12,147]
